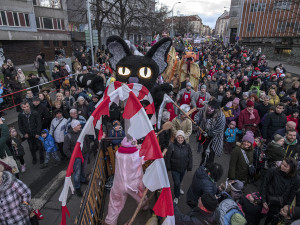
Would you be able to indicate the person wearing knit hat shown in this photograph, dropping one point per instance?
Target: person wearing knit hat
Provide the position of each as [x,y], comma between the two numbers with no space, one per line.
[212,122]
[181,122]
[230,137]
[275,152]
[205,213]
[238,167]
[185,95]
[75,123]
[128,179]
[249,116]
[116,131]
[200,99]
[179,159]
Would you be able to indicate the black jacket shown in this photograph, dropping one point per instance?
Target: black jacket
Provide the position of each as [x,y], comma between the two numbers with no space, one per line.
[71,140]
[277,183]
[41,65]
[201,184]
[292,151]
[179,157]
[91,107]
[196,217]
[272,123]
[252,212]
[262,109]
[30,124]
[44,114]
[33,82]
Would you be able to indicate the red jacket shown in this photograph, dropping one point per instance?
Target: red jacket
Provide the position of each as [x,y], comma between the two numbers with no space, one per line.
[244,118]
[170,108]
[290,118]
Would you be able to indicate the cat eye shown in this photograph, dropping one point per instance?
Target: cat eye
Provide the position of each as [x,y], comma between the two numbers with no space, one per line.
[124,71]
[145,72]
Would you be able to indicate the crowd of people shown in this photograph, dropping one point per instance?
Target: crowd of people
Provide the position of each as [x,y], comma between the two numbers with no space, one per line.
[241,107]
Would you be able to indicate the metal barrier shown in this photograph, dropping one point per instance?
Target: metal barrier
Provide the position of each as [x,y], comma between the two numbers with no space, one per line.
[25,89]
[92,205]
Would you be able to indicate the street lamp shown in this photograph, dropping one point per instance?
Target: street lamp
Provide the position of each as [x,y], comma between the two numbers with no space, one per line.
[172,31]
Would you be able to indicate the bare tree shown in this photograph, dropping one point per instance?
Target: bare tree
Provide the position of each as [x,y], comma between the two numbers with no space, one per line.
[155,21]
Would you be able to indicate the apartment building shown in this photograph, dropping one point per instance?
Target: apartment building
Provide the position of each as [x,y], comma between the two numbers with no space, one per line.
[28,27]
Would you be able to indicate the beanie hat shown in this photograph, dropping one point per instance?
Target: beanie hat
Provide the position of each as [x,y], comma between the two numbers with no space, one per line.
[209,201]
[180,133]
[209,76]
[116,123]
[75,123]
[249,136]
[236,101]
[214,104]
[229,104]
[233,123]
[277,137]
[188,84]
[36,99]
[237,219]
[128,143]
[203,86]
[250,103]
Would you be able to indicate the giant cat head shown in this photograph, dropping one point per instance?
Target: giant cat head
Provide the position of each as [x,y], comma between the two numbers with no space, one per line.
[135,68]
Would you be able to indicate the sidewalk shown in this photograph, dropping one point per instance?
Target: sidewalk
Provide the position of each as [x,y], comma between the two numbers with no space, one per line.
[294,70]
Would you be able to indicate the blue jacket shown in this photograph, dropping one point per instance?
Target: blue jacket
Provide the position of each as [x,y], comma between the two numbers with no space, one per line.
[1,92]
[113,133]
[230,134]
[48,142]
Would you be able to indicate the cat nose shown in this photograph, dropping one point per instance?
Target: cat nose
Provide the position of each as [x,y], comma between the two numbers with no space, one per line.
[133,80]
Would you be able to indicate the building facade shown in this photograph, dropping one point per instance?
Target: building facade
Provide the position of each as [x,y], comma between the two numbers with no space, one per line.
[28,27]
[222,26]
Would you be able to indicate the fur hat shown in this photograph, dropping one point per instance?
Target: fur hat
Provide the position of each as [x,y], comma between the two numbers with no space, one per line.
[75,123]
[180,133]
[129,143]
[277,137]
[249,136]
[250,103]
[209,201]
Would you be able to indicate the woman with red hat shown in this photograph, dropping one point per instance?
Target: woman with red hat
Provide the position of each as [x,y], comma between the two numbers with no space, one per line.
[249,116]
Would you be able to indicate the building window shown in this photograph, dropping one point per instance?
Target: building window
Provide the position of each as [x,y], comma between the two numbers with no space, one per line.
[65,43]
[16,19]
[250,27]
[54,4]
[48,23]
[37,20]
[283,51]
[282,5]
[258,7]
[3,18]
[281,27]
[27,20]
[47,44]
[56,43]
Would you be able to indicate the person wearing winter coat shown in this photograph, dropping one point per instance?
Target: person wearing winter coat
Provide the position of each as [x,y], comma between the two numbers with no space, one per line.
[230,137]
[185,95]
[275,151]
[274,99]
[252,206]
[293,117]
[3,139]
[235,111]
[74,116]
[82,107]
[279,188]
[42,65]
[116,131]
[205,213]
[238,168]
[49,146]
[164,137]
[15,198]
[16,86]
[30,125]
[21,77]
[34,81]
[92,104]
[212,85]
[56,75]
[263,108]
[249,116]
[57,130]
[179,159]
[204,181]
[273,122]
[69,145]
[42,111]
[212,121]
[291,145]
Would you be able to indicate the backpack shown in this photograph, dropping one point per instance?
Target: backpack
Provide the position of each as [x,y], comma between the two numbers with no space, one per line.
[227,208]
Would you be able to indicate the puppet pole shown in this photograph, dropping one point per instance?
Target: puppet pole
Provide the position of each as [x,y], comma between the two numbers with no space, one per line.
[142,199]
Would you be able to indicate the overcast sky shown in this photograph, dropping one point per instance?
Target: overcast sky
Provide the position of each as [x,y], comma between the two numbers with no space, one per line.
[208,10]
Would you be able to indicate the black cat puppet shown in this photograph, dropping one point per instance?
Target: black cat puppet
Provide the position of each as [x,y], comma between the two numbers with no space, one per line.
[132,68]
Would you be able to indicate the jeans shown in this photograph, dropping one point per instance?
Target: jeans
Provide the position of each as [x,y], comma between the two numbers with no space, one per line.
[54,155]
[177,178]
[79,171]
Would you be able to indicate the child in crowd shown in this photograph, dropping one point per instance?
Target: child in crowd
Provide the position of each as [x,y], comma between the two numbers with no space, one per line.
[15,145]
[117,131]
[49,146]
[230,137]
[252,207]
[275,151]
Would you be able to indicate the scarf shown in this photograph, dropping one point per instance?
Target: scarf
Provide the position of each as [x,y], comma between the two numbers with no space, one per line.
[251,114]
[290,143]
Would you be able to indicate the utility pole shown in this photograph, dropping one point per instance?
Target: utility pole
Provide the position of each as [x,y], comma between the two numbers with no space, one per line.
[90,30]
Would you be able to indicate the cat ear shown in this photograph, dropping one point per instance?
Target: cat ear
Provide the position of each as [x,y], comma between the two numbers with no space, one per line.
[118,49]
[159,53]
